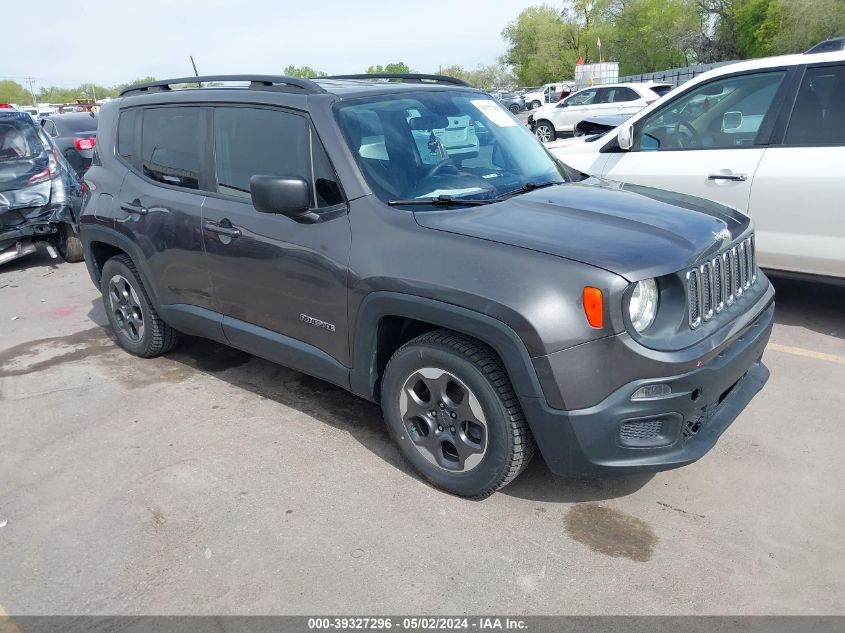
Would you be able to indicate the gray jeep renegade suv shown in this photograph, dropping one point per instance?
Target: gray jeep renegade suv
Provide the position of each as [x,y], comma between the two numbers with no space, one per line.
[488,297]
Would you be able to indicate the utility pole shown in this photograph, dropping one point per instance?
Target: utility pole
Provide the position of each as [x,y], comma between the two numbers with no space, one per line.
[32,92]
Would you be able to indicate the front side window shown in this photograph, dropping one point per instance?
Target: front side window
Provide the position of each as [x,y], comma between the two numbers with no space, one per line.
[818,116]
[170,146]
[724,113]
[257,141]
[432,144]
[585,97]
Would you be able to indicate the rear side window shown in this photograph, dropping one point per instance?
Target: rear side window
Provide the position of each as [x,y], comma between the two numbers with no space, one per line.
[126,134]
[818,117]
[170,146]
[621,94]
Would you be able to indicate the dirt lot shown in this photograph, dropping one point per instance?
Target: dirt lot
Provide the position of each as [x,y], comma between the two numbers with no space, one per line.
[210,481]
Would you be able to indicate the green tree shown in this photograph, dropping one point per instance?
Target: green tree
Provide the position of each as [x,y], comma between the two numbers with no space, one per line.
[13,92]
[140,80]
[306,72]
[650,35]
[395,67]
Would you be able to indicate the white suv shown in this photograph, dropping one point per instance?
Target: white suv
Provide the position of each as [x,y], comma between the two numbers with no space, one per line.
[559,118]
[765,136]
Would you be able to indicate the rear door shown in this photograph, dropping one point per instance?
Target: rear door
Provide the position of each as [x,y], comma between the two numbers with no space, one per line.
[160,201]
[799,188]
[268,270]
[707,141]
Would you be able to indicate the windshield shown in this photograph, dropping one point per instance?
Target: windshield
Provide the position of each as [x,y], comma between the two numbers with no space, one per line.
[422,145]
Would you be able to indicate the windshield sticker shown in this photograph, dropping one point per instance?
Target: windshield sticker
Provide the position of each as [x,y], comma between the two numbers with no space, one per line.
[494,113]
[451,192]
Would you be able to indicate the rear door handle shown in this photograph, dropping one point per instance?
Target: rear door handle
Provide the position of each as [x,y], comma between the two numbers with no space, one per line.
[134,208]
[734,177]
[222,230]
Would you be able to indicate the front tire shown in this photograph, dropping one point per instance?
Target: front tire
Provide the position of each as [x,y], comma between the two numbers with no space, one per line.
[514,108]
[544,131]
[135,322]
[535,104]
[450,407]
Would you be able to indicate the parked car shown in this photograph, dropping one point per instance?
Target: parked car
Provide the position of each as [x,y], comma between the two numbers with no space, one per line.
[766,137]
[76,137]
[551,121]
[39,193]
[599,124]
[512,102]
[489,307]
[548,93]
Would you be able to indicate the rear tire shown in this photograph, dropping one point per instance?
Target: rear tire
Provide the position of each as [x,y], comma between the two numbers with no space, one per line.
[450,407]
[514,108]
[136,324]
[68,244]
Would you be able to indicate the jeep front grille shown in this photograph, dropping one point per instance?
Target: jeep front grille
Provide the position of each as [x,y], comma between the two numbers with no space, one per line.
[718,283]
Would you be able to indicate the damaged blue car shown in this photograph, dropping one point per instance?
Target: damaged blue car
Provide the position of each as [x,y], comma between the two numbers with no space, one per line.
[40,194]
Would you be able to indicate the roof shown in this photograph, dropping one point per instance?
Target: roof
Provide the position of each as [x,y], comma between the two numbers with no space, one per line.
[340,85]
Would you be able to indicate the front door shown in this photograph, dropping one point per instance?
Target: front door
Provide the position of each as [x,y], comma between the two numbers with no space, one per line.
[284,276]
[706,143]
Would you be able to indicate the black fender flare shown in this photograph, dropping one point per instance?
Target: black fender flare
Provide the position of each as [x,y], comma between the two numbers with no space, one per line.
[113,238]
[502,338]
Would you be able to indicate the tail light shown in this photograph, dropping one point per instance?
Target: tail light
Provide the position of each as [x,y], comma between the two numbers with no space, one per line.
[85,143]
[48,172]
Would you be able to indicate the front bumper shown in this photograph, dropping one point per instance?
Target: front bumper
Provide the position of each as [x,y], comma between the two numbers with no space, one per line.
[622,435]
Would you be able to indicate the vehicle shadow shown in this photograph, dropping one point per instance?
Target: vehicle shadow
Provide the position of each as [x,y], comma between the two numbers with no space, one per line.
[538,483]
[815,306]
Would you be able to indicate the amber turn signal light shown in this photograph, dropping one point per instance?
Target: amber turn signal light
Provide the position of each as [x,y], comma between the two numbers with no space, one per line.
[593,306]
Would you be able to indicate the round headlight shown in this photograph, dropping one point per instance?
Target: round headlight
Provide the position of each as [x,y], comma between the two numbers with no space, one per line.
[643,305]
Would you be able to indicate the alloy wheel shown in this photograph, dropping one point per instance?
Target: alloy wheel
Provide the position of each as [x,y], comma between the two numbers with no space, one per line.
[126,308]
[443,419]
[543,133]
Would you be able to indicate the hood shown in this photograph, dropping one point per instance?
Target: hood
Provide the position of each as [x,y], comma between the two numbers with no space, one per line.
[633,231]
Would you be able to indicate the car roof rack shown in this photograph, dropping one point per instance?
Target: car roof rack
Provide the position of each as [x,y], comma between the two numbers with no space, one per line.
[827,46]
[405,78]
[256,82]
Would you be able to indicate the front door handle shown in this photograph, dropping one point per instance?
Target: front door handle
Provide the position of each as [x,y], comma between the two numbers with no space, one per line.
[734,177]
[228,231]
[134,208]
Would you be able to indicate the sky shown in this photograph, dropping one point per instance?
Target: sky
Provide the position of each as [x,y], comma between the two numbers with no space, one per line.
[116,41]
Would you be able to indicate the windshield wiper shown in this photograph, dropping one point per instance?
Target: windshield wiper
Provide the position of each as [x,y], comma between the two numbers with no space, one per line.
[528,186]
[445,201]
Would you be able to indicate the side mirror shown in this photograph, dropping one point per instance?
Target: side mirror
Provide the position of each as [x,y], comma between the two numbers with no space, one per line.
[731,121]
[289,196]
[625,136]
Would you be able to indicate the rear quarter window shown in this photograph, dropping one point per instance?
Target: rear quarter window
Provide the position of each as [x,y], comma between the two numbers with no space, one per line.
[126,134]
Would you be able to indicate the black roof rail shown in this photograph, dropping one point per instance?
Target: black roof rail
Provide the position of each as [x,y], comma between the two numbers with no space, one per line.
[255,81]
[827,46]
[405,78]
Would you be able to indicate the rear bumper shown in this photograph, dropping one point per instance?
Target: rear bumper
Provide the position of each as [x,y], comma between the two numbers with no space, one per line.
[622,435]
